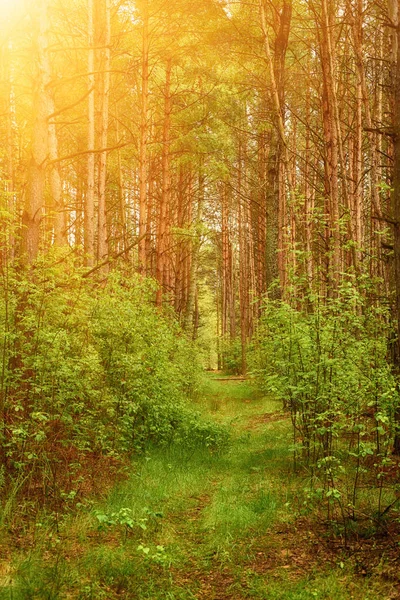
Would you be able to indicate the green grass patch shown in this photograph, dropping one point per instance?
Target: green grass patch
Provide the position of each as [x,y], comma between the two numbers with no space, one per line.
[335,584]
[190,523]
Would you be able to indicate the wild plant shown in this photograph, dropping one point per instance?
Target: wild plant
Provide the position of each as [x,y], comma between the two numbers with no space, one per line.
[92,374]
[329,367]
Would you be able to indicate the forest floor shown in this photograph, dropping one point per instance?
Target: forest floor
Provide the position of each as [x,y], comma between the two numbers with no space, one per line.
[206,527]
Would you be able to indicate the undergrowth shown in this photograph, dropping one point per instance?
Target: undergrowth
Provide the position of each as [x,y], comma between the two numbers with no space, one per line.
[92,375]
[329,367]
[192,524]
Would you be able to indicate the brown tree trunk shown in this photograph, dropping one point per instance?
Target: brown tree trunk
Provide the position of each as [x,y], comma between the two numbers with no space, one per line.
[326,43]
[143,148]
[308,203]
[162,269]
[89,223]
[34,200]
[243,265]
[396,198]
[121,196]
[7,246]
[278,170]
[191,317]
[105,28]
[59,215]
[263,150]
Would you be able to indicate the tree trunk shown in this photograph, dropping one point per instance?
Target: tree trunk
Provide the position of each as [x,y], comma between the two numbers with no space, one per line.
[162,269]
[143,144]
[102,248]
[331,145]
[278,157]
[396,198]
[89,224]
[34,200]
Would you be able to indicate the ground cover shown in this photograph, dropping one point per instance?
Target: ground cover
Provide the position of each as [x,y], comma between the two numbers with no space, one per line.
[193,524]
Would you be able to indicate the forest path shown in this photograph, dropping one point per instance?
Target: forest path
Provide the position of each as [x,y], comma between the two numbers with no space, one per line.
[241,538]
[197,525]
[229,528]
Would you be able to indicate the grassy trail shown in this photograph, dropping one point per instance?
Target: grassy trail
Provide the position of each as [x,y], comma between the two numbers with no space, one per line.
[194,525]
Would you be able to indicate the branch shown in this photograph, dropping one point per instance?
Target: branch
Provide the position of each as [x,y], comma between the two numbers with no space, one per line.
[82,152]
[81,99]
[380,131]
[114,257]
[385,220]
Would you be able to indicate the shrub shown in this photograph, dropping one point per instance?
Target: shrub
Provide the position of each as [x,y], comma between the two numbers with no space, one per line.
[329,367]
[91,374]
[232,356]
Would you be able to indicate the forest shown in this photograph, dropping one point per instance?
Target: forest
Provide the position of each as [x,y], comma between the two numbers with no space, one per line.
[199,299]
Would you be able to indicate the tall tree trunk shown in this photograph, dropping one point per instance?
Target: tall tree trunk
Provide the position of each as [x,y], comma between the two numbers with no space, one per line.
[191,316]
[89,223]
[263,150]
[57,214]
[34,200]
[121,194]
[278,161]
[326,43]
[309,195]
[376,211]
[225,262]
[395,12]
[7,246]
[144,134]
[243,264]
[102,247]
[162,269]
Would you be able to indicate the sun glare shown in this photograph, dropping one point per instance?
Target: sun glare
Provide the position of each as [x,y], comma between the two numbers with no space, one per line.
[9,8]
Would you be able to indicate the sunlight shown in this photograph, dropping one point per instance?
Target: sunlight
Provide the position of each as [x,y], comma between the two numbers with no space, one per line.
[11,11]
[9,8]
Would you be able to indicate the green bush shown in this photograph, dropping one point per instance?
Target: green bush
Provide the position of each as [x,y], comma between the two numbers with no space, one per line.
[329,367]
[232,356]
[91,374]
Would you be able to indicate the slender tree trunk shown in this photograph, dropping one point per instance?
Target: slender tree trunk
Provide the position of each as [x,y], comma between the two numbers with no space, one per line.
[89,223]
[278,171]
[58,220]
[308,202]
[263,151]
[191,319]
[218,294]
[60,215]
[121,194]
[225,264]
[34,200]
[326,43]
[243,266]
[149,244]
[144,135]
[102,247]
[8,242]
[395,6]
[162,269]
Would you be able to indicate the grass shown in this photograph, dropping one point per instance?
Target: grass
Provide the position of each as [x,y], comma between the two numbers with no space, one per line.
[193,525]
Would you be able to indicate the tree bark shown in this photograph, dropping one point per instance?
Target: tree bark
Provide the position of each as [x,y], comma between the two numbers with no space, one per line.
[162,269]
[278,161]
[34,201]
[89,223]
[102,248]
[143,144]
[395,6]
